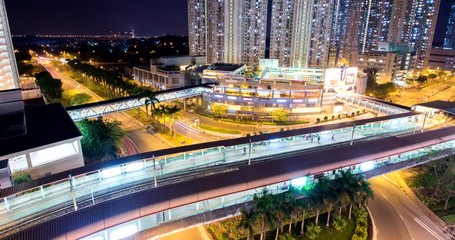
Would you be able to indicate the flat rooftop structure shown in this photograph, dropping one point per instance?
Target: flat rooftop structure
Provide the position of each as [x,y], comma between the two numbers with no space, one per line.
[146,68]
[226,67]
[446,106]
[44,125]
[168,68]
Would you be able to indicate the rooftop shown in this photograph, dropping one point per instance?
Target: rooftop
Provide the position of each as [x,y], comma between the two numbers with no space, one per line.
[45,125]
[445,106]
[225,67]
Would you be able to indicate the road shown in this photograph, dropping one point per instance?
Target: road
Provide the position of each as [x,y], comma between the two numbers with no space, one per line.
[396,216]
[141,139]
[444,90]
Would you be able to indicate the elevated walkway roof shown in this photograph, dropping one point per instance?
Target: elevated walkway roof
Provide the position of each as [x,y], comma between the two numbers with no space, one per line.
[446,106]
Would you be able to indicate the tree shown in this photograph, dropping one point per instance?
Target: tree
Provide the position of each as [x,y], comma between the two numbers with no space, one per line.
[313,231]
[280,115]
[173,111]
[339,223]
[249,218]
[347,185]
[315,201]
[444,180]
[219,110]
[99,136]
[421,79]
[364,192]
[327,195]
[80,98]
[150,100]
[264,206]
[303,205]
[285,205]
[50,86]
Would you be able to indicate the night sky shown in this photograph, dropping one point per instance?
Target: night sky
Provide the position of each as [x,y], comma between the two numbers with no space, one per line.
[151,17]
[146,17]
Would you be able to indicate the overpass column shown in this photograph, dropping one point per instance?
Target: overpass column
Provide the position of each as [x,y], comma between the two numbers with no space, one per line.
[70,179]
[184,104]
[352,136]
[424,120]
[249,153]
[154,171]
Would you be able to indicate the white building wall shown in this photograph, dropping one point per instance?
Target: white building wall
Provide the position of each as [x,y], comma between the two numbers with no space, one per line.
[9,77]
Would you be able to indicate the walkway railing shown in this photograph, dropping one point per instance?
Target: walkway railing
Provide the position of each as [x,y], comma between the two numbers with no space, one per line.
[91,110]
[95,185]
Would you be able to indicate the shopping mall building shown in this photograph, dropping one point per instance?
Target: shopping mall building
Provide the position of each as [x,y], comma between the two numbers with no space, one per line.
[268,87]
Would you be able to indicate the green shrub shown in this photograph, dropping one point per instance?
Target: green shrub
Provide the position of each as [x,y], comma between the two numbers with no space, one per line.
[21,177]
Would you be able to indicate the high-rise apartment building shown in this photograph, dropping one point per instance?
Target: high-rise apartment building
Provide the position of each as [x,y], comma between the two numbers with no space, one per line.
[231,31]
[409,22]
[281,31]
[419,28]
[253,33]
[9,78]
[197,27]
[321,29]
[289,38]
[215,31]
[449,40]
[376,26]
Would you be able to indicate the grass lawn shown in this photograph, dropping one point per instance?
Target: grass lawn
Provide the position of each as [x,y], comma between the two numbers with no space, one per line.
[220,130]
[330,233]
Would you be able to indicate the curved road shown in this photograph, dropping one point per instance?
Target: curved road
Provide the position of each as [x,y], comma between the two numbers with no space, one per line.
[396,216]
[143,141]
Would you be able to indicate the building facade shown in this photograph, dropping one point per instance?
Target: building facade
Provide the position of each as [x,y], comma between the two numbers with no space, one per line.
[420,27]
[197,27]
[9,77]
[441,58]
[321,29]
[449,40]
[215,31]
[289,38]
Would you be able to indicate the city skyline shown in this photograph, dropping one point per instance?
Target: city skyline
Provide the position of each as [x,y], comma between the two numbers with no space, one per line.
[45,17]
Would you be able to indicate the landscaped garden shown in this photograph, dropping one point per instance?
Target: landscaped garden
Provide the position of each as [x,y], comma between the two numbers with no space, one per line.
[434,184]
[328,209]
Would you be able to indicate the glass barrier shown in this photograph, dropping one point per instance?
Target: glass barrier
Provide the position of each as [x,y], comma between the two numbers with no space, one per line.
[90,186]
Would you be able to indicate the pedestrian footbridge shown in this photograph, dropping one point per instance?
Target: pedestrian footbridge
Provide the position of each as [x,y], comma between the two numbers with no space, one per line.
[97,109]
[149,189]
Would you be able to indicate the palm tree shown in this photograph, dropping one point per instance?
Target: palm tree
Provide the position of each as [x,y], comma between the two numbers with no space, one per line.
[303,205]
[328,194]
[313,231]
[315,200]
[249,218]
[364,192]
[159,113]
[172,111]
[264,206]
[339,223]
[347,184]
[285,205]
[150,100]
